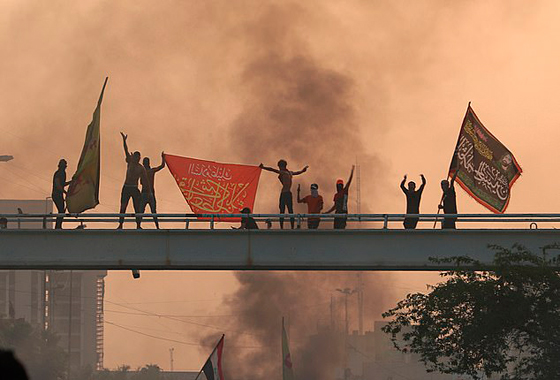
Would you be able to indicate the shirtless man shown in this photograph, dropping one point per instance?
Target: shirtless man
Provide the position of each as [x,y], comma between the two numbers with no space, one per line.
[285,177]
[148,189]
[134,172]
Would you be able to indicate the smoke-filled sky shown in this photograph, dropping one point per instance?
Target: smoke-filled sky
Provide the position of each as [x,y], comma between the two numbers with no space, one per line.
[320,83]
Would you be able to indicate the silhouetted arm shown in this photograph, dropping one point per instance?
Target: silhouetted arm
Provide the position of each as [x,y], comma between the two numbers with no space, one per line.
[125,146]
[158,168]
[404,190]
[452,182]
[349,178]
[299,200]
[301,171]
[423,183]
[331,209]
[269,169]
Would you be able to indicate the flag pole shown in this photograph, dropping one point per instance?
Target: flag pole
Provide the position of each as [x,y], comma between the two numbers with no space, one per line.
[212,353]
[452,157]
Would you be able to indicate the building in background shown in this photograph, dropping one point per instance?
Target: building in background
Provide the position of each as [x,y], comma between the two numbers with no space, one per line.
[69,303]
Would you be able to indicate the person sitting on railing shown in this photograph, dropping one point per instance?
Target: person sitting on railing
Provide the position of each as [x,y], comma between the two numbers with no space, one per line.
[449,200]
[247,222]
[286,198]
[134,171]
[341,202]
[413,197]
[148,188]
[59,183]
[314,205]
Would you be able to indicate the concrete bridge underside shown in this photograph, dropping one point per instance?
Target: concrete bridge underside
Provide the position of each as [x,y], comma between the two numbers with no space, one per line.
[255,250]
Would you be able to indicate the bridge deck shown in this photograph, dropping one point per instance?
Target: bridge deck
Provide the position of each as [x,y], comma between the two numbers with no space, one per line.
[380,249]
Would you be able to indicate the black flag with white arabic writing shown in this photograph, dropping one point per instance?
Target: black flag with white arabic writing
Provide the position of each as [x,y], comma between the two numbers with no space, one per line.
[486,168]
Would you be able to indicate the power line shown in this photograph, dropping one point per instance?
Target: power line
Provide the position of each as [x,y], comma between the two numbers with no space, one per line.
[174,340]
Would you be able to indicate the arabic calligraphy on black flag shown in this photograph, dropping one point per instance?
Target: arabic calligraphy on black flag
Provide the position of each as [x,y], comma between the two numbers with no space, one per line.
[486,168]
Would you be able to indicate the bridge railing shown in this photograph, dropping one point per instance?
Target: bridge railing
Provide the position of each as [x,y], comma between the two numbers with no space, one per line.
[355,221]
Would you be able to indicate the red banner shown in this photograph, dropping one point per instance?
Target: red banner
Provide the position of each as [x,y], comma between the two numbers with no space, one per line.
[214,188]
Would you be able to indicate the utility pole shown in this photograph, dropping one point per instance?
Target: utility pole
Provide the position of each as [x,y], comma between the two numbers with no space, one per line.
[70,329]
[171,358]
[360,291]
[358,188]
[347,292]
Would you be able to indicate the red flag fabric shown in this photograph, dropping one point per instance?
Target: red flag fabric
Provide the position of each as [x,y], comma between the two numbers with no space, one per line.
[215,188]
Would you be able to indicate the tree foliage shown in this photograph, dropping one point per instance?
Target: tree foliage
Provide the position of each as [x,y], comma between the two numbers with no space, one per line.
[503,320]
[37,349]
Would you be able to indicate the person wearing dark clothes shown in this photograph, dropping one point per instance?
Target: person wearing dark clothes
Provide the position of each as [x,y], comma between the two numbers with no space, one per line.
[247,222]
[449,200]
[314,205]
[285,178]
[59,183]
[148,189]
[340,205]
[413,197]
[134,172]
[10,367]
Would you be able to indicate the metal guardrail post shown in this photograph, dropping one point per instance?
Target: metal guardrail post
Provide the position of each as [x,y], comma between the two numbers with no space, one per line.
[187,224]
[385,221]
[298,221]
[212,222]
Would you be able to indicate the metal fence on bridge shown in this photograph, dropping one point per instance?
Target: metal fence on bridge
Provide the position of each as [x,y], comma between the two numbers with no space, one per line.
[177,221]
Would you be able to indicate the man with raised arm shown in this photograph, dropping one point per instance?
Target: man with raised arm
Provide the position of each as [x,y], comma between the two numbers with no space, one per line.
[134,172]
[314,205]
[148,188]
[286,198]
[340,205]
[449,200]
[412,201]
[59,183]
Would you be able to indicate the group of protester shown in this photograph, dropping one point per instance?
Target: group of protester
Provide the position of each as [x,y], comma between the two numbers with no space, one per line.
[448,202]
[145,175]
[135,172]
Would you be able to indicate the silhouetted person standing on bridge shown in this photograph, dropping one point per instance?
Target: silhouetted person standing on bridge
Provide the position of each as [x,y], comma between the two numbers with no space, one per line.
[59,183]
[413,197]
[449,200]
[134,172]
[148,188]
[341,202]
[314,205]
[285,177]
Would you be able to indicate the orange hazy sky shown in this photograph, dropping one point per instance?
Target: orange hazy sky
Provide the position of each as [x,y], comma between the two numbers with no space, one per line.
[181,80]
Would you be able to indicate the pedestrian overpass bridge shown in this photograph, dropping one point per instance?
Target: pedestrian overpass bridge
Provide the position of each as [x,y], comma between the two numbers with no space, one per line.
[202,242]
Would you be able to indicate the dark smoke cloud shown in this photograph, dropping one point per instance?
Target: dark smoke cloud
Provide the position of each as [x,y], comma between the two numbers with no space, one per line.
[296,107]
[253,340]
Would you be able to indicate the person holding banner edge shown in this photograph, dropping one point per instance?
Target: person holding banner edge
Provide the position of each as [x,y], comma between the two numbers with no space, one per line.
[449,202]
[286,199]
[148,189]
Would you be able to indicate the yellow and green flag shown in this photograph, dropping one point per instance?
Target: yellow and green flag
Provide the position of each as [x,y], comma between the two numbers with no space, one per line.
[83,192]
[287,367]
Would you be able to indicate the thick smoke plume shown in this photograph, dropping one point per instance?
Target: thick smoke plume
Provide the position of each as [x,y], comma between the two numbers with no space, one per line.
[296,107]
[253,339]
